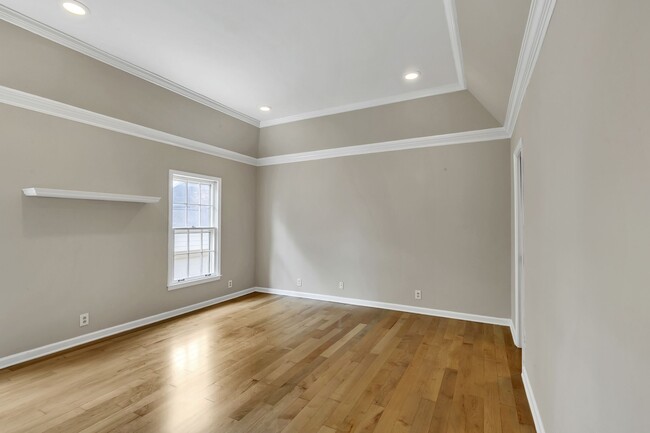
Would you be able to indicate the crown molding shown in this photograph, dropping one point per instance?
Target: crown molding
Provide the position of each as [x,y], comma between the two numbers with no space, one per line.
[50,107]
[454,37]
[29,24]
[39,104]
[450,88]
[389,146]
[11,16]
[539,18]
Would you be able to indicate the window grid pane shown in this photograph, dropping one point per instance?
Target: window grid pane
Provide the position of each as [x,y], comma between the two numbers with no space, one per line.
[194,253]
[194,231]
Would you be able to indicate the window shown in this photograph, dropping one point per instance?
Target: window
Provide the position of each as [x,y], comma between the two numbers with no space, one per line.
[194,231]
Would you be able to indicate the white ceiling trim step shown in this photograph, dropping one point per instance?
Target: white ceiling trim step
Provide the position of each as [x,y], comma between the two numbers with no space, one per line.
[73,43]
[39,104]
[361,105]
[539,18]
[454,36]
[483,135]
[536,28]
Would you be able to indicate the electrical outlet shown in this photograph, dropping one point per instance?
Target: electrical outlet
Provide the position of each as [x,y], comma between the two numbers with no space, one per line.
[341,285]
[299,282]
[230,284]
[418,294]
[84,319]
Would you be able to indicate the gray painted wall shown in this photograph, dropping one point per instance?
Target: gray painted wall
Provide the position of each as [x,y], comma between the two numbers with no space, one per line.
[431,219]
[585,131]
[434,115]
[60,258]
[434,219]
[39,66]
[490,34]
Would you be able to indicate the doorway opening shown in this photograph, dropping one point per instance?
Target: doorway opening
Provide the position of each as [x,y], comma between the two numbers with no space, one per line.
[518,200]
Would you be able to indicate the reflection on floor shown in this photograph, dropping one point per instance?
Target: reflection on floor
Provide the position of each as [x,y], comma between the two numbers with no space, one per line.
[270,364]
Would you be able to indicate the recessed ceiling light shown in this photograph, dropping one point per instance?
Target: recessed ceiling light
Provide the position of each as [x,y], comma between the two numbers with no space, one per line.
[265,108]
[75,7]
[411,75]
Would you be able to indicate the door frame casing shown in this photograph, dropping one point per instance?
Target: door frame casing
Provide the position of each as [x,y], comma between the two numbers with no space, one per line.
[518,205]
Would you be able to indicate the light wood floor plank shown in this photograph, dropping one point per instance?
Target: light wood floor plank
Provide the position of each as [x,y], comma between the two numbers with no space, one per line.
[270,364]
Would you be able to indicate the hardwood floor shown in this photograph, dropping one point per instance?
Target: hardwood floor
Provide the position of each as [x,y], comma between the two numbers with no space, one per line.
[270,364]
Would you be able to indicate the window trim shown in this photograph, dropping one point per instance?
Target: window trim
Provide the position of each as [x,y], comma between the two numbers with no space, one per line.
[171,284]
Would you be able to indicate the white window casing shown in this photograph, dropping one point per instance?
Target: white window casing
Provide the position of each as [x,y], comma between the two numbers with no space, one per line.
[194,229]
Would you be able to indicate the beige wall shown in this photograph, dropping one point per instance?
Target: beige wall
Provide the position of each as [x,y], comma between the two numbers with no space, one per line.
[434,219]
[434,115]
[36,65]
[491,33]
[64,257]
[585,131]
[60,258]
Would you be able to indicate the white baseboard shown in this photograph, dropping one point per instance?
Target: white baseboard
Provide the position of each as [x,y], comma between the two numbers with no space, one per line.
[515,334]
[388,306]
[49,349]
[537,417]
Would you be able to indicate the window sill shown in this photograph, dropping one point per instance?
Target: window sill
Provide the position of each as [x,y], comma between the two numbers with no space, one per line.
[184,284]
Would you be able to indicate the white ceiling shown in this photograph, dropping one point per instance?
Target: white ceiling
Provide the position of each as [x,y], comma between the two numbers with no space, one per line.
[298,56]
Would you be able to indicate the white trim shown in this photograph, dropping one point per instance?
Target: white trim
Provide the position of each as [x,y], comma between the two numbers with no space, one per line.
[539,18]
[388,306]
[389,146]
[537,417]
[11,16]
[75,44]
[450,88]
[171,287]
[87,195]
[517,202]
[49,349]
[513,331]
[216,181]
[50,107]
[454,37]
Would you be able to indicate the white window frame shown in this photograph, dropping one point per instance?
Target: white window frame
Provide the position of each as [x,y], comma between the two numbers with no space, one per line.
[171,283]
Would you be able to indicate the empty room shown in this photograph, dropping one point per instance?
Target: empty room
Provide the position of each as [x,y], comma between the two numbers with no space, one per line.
[283,216]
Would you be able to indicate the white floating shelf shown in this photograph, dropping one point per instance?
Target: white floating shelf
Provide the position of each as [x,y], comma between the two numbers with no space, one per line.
[87,195]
